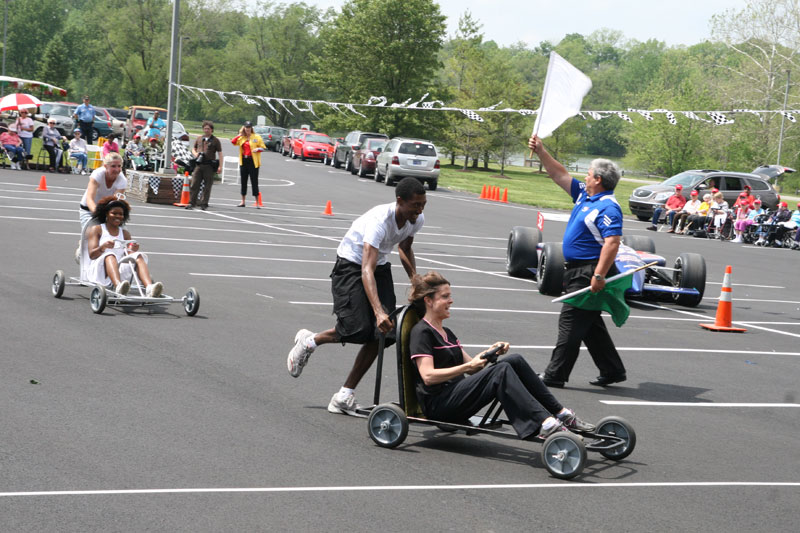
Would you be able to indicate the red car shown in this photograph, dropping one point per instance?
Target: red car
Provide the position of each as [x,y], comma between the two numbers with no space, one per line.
[286,142]
[311,145]
[363,159]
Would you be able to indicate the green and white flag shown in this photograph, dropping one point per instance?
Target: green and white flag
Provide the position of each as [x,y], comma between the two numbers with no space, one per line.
[611,300]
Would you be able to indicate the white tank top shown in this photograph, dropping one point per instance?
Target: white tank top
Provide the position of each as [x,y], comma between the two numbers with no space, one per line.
[118,250]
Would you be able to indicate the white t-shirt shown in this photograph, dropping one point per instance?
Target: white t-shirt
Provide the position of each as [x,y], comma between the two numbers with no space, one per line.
[99,175]
[378,228]
[27,123]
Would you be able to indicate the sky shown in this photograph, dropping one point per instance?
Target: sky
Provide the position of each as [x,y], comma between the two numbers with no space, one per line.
[674,22]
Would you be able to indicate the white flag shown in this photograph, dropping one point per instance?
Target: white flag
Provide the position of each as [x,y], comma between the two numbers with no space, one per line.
[564,89]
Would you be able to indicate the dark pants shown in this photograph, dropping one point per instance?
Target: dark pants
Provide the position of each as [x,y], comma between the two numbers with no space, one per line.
[657,214]
[525,399]
[55,161]
[355,320]
[248,169]
[202,174]
[86,131]
[578,325]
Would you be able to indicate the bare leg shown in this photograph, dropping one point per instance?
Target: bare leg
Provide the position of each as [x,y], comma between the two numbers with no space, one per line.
[142,270]
[326,337]
[364,359]
[112,269]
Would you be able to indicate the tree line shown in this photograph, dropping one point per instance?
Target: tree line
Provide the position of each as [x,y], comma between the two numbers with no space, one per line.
[118,52]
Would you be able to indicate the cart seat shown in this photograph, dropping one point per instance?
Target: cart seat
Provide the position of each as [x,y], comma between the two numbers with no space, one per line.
[406,373]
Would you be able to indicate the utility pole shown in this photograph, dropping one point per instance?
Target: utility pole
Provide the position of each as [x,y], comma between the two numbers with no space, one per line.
[5,33]
[783,120]
[176,10]
[180,56]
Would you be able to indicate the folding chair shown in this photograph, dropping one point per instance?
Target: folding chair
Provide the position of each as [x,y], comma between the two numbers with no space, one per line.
[230,160]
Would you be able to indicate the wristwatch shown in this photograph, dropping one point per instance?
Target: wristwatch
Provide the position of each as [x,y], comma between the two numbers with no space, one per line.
[599,277]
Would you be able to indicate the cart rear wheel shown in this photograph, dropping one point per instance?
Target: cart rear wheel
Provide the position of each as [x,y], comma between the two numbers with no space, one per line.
[618,427]
[690,273]
[550,276]
[58,283]
[387,425]
[191,302]
[564,455]
[98,299]
[640,243]
[521,253]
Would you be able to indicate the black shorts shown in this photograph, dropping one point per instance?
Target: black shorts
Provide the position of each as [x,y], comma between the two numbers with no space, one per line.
[355,320]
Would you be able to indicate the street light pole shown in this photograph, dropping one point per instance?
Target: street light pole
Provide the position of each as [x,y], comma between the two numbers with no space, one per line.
[180,56]
[5,32]
[783,120]
[171,91]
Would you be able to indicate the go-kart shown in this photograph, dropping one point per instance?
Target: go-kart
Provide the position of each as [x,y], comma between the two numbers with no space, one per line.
[101,296]
[684,283]
[564,453]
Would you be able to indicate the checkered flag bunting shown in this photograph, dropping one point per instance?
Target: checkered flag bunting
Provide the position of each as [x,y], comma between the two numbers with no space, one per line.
[719,118]
[788,116]
[154,182]
[645,114]
[472,115]
[624,117]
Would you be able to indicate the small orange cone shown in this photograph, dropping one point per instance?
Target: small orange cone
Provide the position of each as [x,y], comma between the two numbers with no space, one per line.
[42,184]
[505,196]
[186,194]
[328,209]
[259,203]
[483,193]
[724,320]
[496,194]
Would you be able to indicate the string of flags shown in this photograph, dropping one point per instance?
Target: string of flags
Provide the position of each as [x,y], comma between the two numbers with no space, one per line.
[291,105]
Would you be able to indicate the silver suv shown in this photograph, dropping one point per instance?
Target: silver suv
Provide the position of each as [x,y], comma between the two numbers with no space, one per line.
[58,112]
[401,158]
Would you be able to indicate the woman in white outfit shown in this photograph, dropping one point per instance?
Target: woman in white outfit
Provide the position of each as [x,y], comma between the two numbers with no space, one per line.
[106,253]
[104,181]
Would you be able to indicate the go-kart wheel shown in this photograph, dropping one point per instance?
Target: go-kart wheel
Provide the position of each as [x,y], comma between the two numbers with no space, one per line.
[690,273]
[618,427]
[564,455]
[58,283]
[640,243]
[521,254]
[98,299]
[191,302]
[550,276]
[387,425]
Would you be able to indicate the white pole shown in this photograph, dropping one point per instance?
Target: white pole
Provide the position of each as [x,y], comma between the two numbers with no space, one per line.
[176,9]
[783,120]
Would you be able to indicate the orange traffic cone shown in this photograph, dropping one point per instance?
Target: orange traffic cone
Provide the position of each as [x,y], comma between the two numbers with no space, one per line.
[328,209]
[186,195]
[496,194]
[505,196]
[483,193]
[42,184]
[259,203]
[724,320]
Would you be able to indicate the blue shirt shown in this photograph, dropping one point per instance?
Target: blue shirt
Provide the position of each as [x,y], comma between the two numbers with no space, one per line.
[154,127]
[592,220]
[85,112]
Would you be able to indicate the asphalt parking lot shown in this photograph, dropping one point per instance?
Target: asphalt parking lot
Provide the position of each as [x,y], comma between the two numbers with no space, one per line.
[152,420]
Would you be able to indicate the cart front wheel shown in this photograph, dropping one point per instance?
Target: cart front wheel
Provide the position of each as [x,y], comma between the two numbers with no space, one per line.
[58,283]
[617,427]
[564,455]
[387,425]
[191,302]
[98,299]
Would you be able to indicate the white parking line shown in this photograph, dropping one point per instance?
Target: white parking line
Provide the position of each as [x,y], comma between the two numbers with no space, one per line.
[696,404]
[575,485]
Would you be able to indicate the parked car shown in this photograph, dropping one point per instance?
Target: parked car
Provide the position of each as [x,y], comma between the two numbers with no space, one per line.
[286,141]
[408,157]
[337,142]
[59,112]
[644,199]
[271,135]
[364,158]
[353,141]
[311,145]
[138,116]
[117,124]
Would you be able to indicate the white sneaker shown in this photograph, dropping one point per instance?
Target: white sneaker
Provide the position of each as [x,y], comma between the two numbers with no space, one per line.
[78,255]
[343,404]
[737,239]
[123,287]
[154,290]
[299,354]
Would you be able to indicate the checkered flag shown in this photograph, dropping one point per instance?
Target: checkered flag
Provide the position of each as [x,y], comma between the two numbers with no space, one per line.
[154,181]
[526,112]
[181,153]
[595,115]
[177,186]
[491,107]
[789,116]
[623,116]
[429,105]
[691,115]
[472,115]
[645,114]
[756,113]
[377,100]
[669,114]
[719,118]
[350,107]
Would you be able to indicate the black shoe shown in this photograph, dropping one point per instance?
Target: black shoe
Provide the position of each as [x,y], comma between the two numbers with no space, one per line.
[551,382]
[189,207]
[204,207]
[602,381]
[652,228]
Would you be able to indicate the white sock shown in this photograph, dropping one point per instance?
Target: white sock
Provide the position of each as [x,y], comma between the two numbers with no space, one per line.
[344,391]
[549,423]
[310,343]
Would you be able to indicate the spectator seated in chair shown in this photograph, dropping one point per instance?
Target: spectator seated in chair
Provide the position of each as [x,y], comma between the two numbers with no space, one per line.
[742,226]
[13,146]
[700,218]
[689,209]
[771,232]
[673,206]
[79,151]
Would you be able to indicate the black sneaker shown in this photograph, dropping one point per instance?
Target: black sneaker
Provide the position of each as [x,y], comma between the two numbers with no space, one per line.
[551,382]
[572,422]
[558,426]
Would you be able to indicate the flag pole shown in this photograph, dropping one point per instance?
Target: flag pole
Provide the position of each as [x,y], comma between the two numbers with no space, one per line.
[541,104]
[609,280]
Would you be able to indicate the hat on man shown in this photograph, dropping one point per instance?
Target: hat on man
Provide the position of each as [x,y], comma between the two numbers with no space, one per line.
[137,136]
[76,130]
[747,187]
[758,201]
[784,204]
[151,139]
[694,193]
[715,190]
[679,187]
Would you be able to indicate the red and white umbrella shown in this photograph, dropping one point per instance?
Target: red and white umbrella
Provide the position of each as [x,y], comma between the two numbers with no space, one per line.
[19,101]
